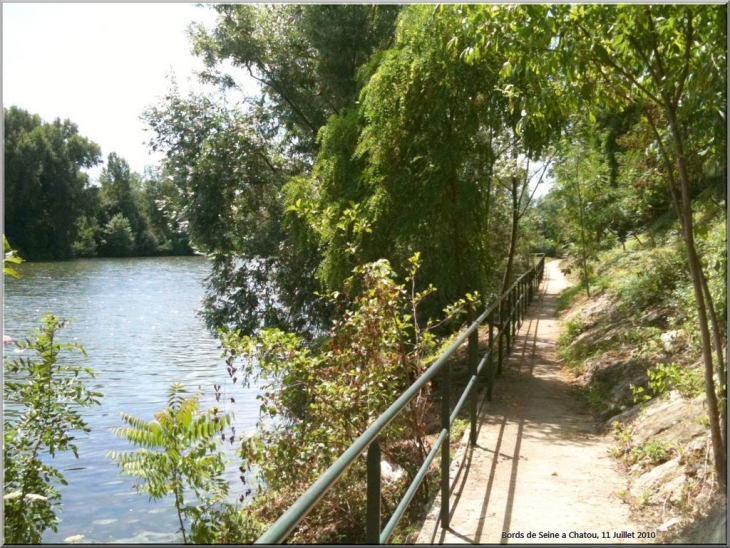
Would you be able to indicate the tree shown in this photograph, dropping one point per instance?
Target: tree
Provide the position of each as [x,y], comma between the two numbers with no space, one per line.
[117,238]
[305,57]
[427,155]
[44,183]
[230,164]
[581,184]
[669,63]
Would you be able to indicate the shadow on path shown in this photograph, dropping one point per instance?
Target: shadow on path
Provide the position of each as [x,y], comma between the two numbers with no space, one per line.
[539,464]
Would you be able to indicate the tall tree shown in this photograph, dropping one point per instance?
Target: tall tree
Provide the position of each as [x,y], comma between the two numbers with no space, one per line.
[428,156]
[230,163]
[670,63]
[44,183]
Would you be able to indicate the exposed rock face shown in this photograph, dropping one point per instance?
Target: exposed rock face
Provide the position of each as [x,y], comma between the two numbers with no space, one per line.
[673,419]
[666,481]
[618,376]
[616,354]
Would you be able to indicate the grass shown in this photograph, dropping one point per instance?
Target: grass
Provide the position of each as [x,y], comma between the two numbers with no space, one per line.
[568,296]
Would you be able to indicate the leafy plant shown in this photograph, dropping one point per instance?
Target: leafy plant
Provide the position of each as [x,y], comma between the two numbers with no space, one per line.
[639,394]
[317,399]
[571,329]
[10,257]
[43,395]
[651,453]
[178,451]
[623,435]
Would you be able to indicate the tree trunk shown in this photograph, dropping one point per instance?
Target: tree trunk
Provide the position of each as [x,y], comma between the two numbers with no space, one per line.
[513,236]
[695,268]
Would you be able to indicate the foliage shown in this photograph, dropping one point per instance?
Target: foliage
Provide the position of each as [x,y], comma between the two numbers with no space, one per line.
[117,237]
[712,243]
[624,436]
[43,395]
[10,257]
[571,329]
[85,244]
[665,377]
[226,524]
[567,297]
[597,395]
[316,400]
[229,164]
[44,183]
[651,453]
[303,56]
[52,210]
[652,280]
[178,452]
[428,159]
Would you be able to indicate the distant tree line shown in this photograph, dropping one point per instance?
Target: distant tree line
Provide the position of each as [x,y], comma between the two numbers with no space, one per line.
[53,211]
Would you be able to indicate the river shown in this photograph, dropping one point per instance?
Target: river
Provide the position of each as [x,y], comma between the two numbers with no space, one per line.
[137,320]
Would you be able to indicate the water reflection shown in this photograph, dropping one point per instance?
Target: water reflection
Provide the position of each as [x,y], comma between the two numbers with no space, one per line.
[136,319]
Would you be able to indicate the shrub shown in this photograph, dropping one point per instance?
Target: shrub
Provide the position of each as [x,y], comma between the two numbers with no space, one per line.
[653,280]
[178,452]
[316,401]
[45,394]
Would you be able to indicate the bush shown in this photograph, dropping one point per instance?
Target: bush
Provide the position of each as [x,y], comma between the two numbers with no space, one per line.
[317,400]
[47,394]
[178,452]
[652,281]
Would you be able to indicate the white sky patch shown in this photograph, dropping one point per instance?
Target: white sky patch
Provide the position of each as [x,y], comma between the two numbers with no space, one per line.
[99,65]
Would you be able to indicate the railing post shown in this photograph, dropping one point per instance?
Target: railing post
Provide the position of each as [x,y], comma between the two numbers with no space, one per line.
[445,449]
[490,363]
[515,315]
[500,336]
[509,320]
[523,301]
[532,285]
[372,532]
[473,353]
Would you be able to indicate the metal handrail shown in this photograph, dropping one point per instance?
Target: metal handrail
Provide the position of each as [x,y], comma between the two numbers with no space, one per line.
[518,296]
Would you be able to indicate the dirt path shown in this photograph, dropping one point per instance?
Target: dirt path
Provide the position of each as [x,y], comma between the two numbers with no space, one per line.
[539,465]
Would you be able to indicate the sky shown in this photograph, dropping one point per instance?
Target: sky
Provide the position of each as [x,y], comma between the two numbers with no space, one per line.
[98,65]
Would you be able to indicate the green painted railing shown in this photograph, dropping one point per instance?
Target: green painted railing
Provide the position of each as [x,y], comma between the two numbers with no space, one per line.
[504,316]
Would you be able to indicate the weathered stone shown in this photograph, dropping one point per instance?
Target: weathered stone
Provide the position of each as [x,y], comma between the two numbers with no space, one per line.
[650,482]
[673,341]
[672,419]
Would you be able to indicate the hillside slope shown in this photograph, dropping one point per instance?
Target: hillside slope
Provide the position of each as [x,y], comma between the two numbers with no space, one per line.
[633,350]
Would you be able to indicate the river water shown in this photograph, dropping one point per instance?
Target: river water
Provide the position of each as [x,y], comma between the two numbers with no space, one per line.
[137,320]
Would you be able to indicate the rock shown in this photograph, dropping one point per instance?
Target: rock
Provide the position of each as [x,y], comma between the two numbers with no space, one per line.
[672,341]
[652,317]
[602,306]
[673,419]
[655,482]
[667,525]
